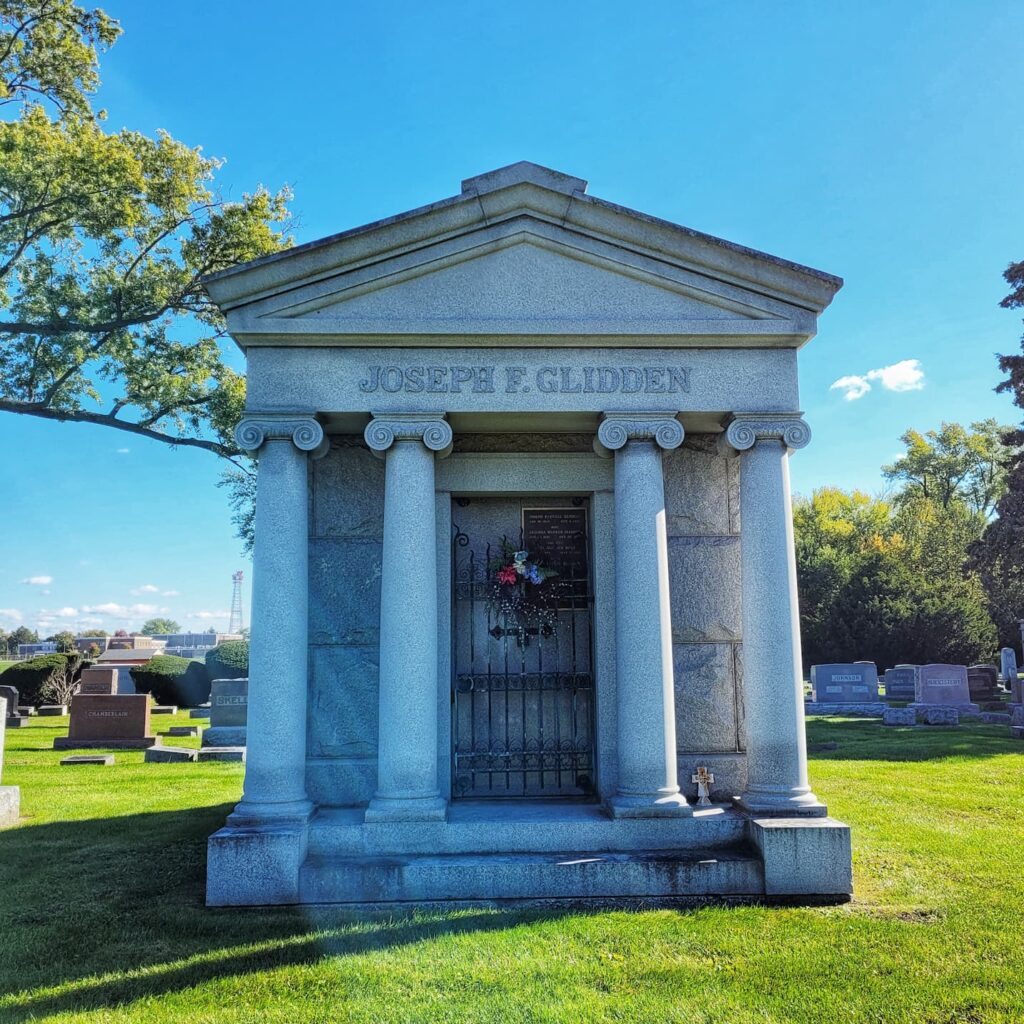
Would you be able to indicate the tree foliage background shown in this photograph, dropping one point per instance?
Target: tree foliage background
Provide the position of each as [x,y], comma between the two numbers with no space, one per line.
[893,580]
[105,237]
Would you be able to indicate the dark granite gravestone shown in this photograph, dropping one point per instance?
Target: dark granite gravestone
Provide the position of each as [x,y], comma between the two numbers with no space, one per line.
[982,681]
[115,721]
[229,705]
[845,684]
[944,685]
[101,681]
[14,718]
[899,682]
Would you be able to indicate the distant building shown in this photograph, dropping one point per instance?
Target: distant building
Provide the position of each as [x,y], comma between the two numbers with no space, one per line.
[31,650]
[133,643]
[124,660]
[85,643]
[194,645]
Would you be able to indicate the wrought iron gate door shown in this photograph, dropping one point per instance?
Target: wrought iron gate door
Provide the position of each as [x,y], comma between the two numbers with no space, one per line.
[523,686]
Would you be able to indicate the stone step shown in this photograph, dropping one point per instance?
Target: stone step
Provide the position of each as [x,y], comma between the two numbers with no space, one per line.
[489,826]
[649,874]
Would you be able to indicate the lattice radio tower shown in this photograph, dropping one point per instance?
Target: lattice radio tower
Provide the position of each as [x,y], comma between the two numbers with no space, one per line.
[235,623]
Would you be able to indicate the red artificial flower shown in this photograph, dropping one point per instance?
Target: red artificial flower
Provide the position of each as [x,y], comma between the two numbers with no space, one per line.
[507,575]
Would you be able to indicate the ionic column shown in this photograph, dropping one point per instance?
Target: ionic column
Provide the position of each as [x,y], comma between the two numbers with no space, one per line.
[275,771]
[772,672]
[645,692]
[407,785]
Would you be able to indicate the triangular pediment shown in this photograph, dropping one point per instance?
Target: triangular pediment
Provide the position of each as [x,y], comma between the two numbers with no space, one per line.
[521,253]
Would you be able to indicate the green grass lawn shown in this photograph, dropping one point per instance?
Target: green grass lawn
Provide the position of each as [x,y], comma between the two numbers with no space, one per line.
[101,913]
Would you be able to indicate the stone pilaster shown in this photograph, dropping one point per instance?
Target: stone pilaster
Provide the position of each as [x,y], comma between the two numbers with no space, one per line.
[275,773]
[647,782]
[407,783]
[773,677]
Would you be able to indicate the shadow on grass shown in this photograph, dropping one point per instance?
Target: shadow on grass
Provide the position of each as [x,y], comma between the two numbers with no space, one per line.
[111,910]
[866,739]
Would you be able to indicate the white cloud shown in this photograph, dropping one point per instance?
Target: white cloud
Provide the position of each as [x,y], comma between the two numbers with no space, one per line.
[206,616]
[905,375]
[123,451]
[110,608]
[853,387]
[170,593]
[146,588]
[11,613]
[90,620]
[37,581]
[142,609]
[66,613]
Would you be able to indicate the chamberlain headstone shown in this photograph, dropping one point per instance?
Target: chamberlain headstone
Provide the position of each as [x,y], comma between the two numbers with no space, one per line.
[101,681]
[115,721]
[982,682]
[855,683]
[899,682]
[944,686]
[14,719]
[10,796]
[229,706]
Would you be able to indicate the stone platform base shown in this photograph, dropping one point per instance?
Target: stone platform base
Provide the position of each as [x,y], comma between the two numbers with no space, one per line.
[964,709]
[10,805]
[224,736]
[221,754]
[67,743]
[871,709]
[530,852]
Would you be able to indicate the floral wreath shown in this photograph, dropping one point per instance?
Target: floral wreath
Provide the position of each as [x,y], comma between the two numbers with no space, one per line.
[518,596]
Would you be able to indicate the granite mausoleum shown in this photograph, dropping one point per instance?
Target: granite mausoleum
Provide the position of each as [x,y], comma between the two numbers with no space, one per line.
[524,561]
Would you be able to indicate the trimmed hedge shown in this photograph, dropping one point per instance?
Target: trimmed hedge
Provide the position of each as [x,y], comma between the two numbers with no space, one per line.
[46,679]
[229,661]
[173,680]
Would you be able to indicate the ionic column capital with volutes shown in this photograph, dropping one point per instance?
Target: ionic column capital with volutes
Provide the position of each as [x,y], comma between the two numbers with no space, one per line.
[304,431]
[747,429]
[431,428]
[619,428]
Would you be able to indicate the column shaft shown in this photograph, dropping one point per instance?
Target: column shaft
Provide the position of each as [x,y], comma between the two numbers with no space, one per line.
[645,683]
[773,678]
[407,783]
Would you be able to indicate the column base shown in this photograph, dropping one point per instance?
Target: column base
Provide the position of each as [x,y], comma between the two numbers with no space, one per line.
[649,805]
[786,803]
[250,813]
[413,808]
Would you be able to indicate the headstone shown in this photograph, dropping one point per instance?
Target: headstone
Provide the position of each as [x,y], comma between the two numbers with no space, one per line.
[703,778]
[936,715]
[102,759]
[169,755]
[221,754]
[53,710]
[203,712]
[10,796]
[982,681]
[1017,723]
[164,709]
[899,716]
[98,681]
[184,730]
[27,710]
[119,721]
[899,682]
[945,686]
[229,705]
[845,684]
[14,718]
[1008,665]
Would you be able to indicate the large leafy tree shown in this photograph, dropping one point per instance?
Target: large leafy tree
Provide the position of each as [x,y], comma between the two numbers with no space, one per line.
[998,555]
[104,240]
[153,626]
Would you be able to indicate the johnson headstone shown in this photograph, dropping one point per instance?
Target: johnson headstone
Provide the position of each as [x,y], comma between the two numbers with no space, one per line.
[845,684]
[116,721]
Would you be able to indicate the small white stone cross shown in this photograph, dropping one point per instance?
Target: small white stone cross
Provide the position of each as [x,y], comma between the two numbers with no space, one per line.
[703,778]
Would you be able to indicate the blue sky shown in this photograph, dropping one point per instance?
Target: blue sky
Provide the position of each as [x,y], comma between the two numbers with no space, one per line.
[872,140]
